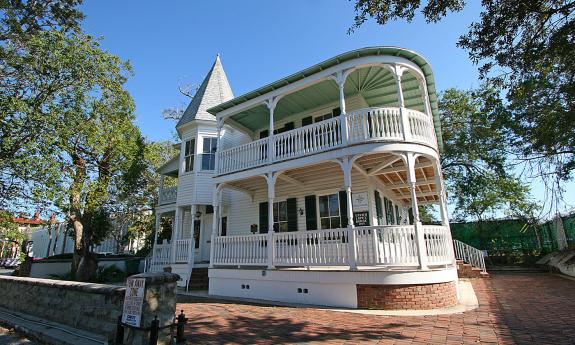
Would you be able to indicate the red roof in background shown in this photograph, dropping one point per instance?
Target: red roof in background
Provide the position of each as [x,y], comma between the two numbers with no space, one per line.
[29,221]
[34,221]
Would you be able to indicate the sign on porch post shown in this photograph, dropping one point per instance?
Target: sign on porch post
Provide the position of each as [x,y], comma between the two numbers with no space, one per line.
[133,301]
[359,201]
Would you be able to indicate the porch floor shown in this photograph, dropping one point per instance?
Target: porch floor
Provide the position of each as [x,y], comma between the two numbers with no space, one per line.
[336,268]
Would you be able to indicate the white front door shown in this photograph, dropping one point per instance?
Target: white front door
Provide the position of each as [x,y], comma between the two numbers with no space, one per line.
[206,237]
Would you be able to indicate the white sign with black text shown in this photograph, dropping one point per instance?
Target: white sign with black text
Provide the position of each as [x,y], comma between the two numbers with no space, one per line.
[359,201]
[133,301]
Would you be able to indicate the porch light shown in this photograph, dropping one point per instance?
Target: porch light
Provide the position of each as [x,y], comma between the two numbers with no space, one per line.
[198,214]
[300,211]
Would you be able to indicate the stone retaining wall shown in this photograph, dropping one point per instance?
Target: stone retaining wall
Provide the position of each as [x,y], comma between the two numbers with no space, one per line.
[425,296]
[91,307]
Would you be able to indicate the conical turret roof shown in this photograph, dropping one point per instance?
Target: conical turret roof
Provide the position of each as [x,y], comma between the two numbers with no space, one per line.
[214,90]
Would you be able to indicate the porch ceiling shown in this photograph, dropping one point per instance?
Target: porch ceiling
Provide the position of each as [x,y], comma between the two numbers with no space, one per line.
[389,169]
[376,85]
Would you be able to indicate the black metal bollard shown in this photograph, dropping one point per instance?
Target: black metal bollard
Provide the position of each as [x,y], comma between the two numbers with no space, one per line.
[119,331]
[180,330]
[154,331]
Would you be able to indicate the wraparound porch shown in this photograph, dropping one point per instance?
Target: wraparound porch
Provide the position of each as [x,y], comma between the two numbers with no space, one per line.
[374,246]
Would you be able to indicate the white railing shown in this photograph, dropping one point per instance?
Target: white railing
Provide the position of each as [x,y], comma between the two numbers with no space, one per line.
[363,125]
[168,195]
[306,140]
[316,247]
[421,127]
[374,123]
[242,157]
[469,254]
[387,246]
[161,257]
[437,244]
[240,250]
[183,250]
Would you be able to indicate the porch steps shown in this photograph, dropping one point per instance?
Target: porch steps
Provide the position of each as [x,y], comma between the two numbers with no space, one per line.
[199,279]
[465,270]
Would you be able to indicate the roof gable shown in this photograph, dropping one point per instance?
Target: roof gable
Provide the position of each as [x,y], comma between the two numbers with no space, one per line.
[214,90]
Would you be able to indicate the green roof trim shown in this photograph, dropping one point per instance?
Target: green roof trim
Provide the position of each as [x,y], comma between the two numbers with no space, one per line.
[407,54]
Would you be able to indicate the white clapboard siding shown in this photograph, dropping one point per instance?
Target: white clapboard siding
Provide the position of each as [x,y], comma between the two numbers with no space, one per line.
[243,212]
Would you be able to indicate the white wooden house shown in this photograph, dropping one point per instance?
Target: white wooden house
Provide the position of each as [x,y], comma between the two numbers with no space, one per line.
[307,189]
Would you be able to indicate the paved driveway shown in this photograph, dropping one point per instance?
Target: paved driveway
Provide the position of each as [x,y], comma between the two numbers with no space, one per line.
[514,309]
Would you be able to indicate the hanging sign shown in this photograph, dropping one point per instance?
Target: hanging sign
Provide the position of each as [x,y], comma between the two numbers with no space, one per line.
[359,201]
[361,218]
[133,301]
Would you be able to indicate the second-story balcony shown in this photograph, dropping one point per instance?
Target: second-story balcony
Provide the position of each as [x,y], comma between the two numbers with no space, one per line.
[366,125]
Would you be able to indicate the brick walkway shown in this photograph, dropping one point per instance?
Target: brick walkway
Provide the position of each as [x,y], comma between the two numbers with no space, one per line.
[514,309]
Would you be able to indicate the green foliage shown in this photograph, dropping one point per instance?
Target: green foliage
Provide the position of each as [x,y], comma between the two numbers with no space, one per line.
[9,231]
[69,140]
[384,11]
[39,68]
[110,274]
[526,48]
[475,163]
[156,155]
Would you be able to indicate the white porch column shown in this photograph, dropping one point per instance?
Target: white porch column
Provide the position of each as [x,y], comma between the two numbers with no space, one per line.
[271,179]
[440,187]
[346,166]
[158,224]
[161,186]
[176,225]
[340,80]
[420,240]
[193,209]
[398,72]
[425,97]
[271,103]
[219,145]
[216,204]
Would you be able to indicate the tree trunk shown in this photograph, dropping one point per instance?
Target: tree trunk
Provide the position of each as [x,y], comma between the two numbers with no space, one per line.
[82,264]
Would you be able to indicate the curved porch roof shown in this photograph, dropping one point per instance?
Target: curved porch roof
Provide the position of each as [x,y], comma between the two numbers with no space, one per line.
[407,54]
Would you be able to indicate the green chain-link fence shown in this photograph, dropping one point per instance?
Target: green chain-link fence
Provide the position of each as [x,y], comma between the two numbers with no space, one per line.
[512,241]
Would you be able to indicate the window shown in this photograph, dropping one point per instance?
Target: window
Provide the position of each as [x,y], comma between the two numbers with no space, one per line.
[224,226]
[378,209]
[209,153]
[389,216]
[329,212]
[280,216]
[189,151]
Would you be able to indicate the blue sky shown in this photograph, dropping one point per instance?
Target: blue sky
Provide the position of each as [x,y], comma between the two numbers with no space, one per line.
[171,43]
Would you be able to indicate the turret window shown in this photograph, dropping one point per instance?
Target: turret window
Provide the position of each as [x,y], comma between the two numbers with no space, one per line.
[209,153]
[189,150]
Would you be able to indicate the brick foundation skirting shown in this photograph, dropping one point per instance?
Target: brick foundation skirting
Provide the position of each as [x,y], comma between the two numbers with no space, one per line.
[424,296]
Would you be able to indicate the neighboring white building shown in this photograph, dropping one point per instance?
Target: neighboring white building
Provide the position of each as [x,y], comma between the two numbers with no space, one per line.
[53,240]
[311,193]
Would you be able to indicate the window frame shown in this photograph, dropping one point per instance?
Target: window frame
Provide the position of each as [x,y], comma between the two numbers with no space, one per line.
[189,154]
[279,222]
[329,216]
[212,147]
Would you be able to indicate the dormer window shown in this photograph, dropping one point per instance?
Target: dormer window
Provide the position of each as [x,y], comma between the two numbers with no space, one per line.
[189,149]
